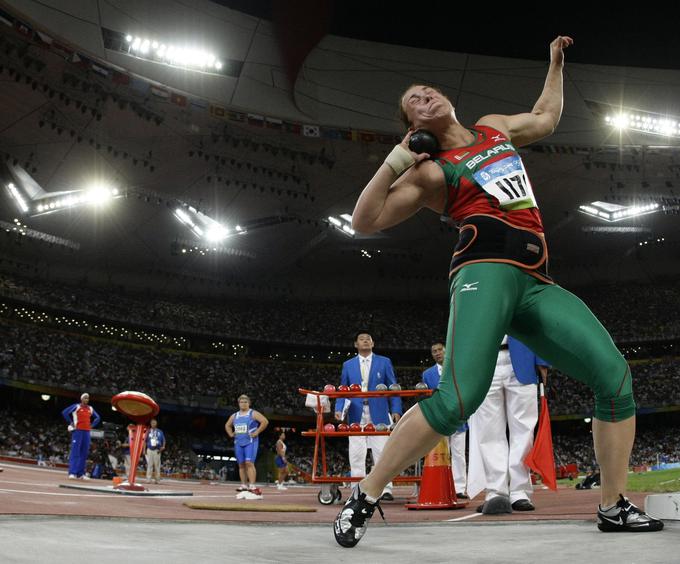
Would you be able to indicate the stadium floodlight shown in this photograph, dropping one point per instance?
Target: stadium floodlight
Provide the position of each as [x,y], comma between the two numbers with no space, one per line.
[96,194]
[343,225]
[203,226]
[185,218]
[217,233]
[45,397]
[645,122]
[161,52]
[17,197]
[616,212]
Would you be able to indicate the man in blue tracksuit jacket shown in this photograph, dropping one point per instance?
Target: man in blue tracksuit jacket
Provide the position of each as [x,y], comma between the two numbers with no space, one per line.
[368,370]
[431,378]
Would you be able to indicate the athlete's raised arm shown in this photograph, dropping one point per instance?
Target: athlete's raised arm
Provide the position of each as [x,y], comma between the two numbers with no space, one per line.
[526,128]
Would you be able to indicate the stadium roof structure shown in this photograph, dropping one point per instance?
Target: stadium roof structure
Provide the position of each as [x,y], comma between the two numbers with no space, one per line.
[291,127]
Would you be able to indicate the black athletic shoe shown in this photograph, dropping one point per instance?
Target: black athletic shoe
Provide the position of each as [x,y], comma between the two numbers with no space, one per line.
[350,524]
[628,519]
[523,505]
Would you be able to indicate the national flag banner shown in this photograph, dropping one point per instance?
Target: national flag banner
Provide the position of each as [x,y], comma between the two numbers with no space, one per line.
[274,123]
[331,133]
[355,135]
[236,116]
[6,18]
[139,85]
[347,134]
[43,38]
[541,458]
[178,99]
[388,139]
[367,136]
[255,119]
[120,78]
[159,92]
[198,103]
[311,130]
[23,28]
[292,127]
[217,111]
[62,50]
[101,71]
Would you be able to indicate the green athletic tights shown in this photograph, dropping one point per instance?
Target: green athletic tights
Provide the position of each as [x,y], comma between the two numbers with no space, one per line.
[488,300]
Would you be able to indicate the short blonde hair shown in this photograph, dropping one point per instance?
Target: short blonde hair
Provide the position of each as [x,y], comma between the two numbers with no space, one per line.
[402,112]
[243,396]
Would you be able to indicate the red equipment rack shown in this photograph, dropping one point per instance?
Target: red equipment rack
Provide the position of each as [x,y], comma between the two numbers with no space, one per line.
[329,484]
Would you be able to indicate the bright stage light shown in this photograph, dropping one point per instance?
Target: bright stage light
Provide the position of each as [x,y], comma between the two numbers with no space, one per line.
[645,122]
[45,397]
[217,233]
[616,212]
[98,195]
[17,197]
[155,50]
[344,225]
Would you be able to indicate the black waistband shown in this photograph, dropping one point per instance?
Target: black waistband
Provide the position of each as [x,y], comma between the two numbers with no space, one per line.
[484,238]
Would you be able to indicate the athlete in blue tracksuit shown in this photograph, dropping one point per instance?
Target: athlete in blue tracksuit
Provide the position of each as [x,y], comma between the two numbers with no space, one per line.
[244,426]
[80,416]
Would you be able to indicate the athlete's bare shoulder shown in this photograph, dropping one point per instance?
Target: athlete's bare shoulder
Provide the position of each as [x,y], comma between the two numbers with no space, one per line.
[428,176]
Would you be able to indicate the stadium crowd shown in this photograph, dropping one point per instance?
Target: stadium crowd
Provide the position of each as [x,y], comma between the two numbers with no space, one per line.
[45,439]
[39,355]
[630,312]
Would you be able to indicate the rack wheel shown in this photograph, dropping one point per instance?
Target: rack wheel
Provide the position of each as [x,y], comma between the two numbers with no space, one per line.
[325,497]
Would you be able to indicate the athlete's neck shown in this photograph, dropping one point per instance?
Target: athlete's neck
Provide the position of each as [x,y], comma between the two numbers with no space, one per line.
[456,135]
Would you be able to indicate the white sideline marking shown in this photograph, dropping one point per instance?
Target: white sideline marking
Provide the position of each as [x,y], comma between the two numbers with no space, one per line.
[464,518]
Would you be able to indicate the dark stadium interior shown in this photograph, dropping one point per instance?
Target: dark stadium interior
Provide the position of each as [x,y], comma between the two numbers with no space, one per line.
[124,296]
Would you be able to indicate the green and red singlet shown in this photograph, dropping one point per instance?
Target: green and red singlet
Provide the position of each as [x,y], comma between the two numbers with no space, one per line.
[488,177]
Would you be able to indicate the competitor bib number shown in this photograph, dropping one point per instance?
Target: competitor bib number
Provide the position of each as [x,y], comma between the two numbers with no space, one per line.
[241,429]
[507,181]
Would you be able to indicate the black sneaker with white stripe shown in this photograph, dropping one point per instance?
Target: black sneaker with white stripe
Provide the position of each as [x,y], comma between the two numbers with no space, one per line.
[350,524]
[628,519]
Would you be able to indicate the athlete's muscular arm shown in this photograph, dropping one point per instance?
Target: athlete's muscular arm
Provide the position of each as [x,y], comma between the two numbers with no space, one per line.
[229,426]
[523,129]
[262,420]
[388,199]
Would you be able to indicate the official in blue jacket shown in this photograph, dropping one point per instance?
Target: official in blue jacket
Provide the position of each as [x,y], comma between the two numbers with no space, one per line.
[368,370]
[496,457]
[431,378]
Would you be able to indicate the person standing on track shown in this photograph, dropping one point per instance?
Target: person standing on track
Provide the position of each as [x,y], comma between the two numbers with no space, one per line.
[368,370]
[498,285]
[155,445]
[281,462]
[244,427]
[81,417]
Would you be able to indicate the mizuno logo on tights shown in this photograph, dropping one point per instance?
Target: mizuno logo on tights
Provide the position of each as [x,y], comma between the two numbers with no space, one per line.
[469,287]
